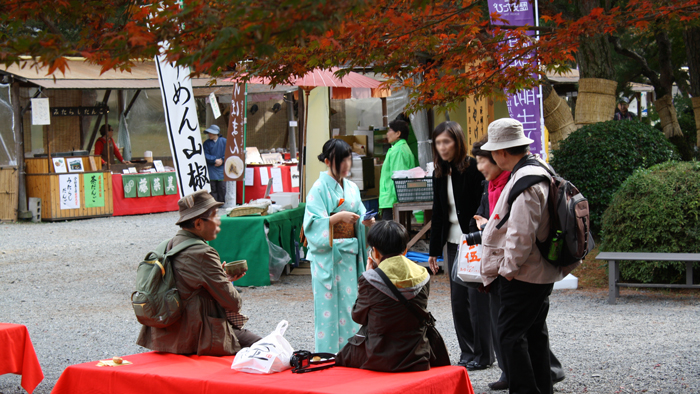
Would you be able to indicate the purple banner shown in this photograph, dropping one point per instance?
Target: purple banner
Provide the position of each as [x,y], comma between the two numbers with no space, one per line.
[524,105]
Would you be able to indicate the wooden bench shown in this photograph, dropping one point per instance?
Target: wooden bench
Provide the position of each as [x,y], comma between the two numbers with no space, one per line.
[614,259]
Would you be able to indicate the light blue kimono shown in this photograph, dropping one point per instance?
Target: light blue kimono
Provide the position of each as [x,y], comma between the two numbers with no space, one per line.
[336,265]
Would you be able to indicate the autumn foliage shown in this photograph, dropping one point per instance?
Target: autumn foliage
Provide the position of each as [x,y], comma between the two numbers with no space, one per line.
[452,46]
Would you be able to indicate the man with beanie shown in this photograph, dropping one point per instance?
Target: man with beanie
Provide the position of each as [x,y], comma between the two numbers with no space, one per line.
[206,292]
[215,152]
[511,257]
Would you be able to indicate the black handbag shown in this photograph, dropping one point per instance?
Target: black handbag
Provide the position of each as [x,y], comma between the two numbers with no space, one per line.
[439,357]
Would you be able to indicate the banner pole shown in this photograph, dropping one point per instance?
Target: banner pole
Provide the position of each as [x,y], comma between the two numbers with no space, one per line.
[245,133]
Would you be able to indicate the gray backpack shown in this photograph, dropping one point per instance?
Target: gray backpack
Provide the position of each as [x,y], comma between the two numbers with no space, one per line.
[156,301]
[569,219]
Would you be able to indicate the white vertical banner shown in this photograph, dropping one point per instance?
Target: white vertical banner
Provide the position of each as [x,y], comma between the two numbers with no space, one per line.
[182,127]
[69,186]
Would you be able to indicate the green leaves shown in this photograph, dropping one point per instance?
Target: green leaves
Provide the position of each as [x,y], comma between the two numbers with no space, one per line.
[598,158]
[655,210]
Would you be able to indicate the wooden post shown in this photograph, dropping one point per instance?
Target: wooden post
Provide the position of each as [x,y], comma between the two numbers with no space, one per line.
[385,113]
[19,149]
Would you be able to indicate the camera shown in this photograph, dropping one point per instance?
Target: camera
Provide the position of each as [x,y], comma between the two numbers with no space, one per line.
[473,238]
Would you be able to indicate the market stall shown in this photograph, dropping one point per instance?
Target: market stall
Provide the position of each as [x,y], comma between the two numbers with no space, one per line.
[70,187]
[72,107]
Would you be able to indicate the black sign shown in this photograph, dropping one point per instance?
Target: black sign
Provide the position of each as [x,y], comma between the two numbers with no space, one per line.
[79,111]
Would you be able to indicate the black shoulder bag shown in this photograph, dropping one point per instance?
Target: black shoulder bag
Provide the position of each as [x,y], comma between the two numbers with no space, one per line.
[439,356]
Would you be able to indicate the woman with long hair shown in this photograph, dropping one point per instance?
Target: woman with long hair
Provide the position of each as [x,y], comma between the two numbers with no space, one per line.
[336,247]
[457,195]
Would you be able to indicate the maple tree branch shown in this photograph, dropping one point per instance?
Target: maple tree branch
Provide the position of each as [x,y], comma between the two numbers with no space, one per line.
[646,70]
[433,23]
[50,25]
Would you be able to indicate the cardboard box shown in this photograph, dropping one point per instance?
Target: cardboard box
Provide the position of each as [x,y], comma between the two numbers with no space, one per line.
[358,143]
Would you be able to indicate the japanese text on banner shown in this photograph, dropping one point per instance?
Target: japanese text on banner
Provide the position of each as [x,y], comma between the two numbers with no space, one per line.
[524,105]
[182,127]
[235,149]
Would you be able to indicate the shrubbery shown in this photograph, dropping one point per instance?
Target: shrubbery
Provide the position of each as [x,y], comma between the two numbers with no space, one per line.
[597,158]
[655,210]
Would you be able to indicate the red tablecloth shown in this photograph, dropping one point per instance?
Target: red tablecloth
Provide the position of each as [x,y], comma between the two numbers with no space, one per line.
[165,373]
[258,189]
[17,355]
[140,205]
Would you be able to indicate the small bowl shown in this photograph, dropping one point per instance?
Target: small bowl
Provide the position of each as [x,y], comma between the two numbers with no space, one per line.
[235,268]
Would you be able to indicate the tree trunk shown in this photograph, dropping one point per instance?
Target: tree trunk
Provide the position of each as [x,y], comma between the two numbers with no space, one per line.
[669,119]
[692,46]
[597,87]
[596,101]
[664,105]
[557,115]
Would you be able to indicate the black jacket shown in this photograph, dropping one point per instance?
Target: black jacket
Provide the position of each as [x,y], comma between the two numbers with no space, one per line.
[484,210]
[467,191]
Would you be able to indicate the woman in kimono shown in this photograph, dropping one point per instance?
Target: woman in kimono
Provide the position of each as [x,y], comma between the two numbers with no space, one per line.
[336,247]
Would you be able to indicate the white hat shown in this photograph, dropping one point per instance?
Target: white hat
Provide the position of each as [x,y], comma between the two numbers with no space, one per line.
[213,129]
[506,133]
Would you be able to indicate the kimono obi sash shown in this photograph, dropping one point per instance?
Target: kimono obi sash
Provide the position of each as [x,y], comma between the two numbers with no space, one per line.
[343,230]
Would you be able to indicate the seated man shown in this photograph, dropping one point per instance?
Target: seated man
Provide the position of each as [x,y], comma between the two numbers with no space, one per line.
[391,338]
[206,291]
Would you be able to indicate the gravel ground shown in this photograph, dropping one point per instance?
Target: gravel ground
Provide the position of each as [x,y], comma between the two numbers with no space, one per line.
[69,283]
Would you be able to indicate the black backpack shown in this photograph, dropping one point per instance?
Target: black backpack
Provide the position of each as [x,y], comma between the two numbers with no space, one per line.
[568,213]
[156,301]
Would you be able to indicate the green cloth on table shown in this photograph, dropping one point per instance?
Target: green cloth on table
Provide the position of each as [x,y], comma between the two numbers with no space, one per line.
[129,182]
[243,238]
[143,185]
[170,183]
[399,157]
[156,183]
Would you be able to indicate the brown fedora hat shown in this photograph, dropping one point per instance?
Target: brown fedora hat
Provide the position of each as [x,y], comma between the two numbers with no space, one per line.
[196,204]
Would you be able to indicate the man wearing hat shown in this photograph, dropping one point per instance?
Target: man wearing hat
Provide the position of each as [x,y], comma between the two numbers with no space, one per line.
[623,114]
[215,152]
[511,257]
[205,290]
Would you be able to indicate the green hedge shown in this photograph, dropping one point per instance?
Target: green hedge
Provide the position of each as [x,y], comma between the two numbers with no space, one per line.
[655,210]
[597,158]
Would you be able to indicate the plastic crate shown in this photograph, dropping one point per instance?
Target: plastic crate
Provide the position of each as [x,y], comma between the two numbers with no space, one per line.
[414,189]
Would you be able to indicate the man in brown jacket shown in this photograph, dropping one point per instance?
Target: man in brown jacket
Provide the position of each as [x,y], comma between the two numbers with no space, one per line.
[205,290]
[511,256]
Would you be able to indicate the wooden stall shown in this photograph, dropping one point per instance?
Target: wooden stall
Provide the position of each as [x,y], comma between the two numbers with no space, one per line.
[8,193]
[92,197]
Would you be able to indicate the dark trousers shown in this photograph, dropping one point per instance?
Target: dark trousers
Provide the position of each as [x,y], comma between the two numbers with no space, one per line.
[523,335]
[218,190]
[473,329]
[245,337]
[555,368]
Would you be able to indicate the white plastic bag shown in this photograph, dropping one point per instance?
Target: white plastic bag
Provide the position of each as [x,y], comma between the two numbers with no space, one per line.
[469,262]
[268,355]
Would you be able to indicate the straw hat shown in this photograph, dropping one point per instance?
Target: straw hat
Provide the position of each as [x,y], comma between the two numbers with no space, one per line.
[196,204]
[506,133]
[213,129]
